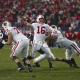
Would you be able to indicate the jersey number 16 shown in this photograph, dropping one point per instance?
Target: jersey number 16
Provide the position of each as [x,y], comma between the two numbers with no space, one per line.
[41,30]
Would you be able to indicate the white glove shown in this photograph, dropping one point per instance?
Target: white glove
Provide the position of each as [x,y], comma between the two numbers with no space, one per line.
[3,42]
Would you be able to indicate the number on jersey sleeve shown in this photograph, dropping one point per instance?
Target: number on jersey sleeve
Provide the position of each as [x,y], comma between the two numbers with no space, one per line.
[17,30]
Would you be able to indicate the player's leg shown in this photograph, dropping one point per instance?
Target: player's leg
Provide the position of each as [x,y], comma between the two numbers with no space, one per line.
[74,63]
[39,59]
[16,49]
[48,59]
[42,57]
[17,61]
[49,54]
[33,52]
[67,43]
[68,55]
[50,63]
[75,49]
[24,54]
[27,62]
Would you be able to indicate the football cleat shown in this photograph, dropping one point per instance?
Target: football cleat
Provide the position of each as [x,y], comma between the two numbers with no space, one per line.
[36,65]
[69,62]
[51,68]
[20,68]
[74,64]
[30,69]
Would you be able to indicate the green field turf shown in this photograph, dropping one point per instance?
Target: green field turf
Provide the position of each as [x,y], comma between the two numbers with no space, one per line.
[61,71]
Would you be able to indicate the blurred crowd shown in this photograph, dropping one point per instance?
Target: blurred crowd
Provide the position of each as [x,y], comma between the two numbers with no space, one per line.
[62,13]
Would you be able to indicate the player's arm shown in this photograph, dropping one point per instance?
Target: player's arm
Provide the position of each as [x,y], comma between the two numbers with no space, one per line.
[9,41]
[51,37]
[28,25]
[48,35]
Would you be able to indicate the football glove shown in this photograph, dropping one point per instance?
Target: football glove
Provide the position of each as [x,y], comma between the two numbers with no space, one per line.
[3,42]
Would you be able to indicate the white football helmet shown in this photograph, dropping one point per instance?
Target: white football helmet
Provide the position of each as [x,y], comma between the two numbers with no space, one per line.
[51,28]
[54,27]
[6,24]
[40,16]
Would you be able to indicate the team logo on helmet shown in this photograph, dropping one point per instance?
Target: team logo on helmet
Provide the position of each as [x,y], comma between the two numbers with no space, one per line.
[6,24]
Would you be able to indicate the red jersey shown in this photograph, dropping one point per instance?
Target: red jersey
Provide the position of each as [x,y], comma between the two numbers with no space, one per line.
[70,34]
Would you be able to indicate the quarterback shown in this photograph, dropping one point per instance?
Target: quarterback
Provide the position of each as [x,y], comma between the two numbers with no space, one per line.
[40,31]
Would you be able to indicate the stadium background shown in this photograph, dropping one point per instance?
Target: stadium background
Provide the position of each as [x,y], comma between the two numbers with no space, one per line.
[62,13]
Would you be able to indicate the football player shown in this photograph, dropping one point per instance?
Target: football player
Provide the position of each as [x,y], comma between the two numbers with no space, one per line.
[40,31]
[2,37]
[70,46]
[21,45]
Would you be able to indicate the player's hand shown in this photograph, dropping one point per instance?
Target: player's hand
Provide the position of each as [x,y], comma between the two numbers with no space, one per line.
[3,42]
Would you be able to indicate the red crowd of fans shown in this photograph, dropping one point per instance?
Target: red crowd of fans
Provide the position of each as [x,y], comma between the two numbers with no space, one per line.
[63,13]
